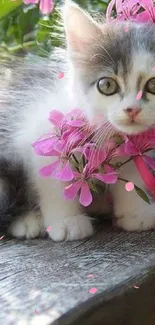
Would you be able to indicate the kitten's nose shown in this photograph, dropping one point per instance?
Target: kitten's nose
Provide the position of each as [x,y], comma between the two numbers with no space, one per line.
[132,112]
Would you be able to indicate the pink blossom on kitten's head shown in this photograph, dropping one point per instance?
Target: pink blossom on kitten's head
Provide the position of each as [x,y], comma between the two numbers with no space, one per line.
[46,6]
[138,11]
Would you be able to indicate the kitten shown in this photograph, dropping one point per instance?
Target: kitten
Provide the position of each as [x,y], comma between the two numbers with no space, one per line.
[106,68]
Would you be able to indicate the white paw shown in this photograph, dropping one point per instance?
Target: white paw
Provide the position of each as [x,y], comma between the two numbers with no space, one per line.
[135,223]
[71,228]
[28,226]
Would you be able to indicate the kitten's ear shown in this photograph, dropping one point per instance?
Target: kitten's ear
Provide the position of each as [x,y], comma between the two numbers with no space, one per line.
[81,29]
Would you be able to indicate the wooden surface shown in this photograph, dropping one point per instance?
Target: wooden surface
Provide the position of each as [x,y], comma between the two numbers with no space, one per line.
[42,282]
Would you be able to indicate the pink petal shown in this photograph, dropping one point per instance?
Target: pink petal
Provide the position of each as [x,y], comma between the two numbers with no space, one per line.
[70,192]
[74,138]
[65,174]
[46,147]
[75,118]
[46,6]
[131,149]
[76,123]
[88,150]
[143,17]
[101,156]
[60,146]
[67,133]
[109,10]
[55,117]
[85,195]
[49,169]
[76,174]
[129,186]
[30,1]
[48,229]
[108,169]
[93,290]
[95,156]
[150,161]
[110,178]
[61,75]
[139,95]
[126,28]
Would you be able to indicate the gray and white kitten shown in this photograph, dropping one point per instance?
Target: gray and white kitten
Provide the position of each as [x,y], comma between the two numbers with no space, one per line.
[105,67]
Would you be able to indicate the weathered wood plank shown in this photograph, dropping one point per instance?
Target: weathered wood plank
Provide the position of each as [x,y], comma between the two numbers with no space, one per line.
[40,276]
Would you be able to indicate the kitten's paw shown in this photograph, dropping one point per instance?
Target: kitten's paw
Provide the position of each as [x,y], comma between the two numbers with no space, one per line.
[71,228]
[135,223]
[28,226]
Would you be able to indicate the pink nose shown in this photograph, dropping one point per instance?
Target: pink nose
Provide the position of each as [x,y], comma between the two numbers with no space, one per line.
[132,112]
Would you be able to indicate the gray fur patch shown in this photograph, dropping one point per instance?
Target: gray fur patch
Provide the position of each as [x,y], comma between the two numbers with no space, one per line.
[113,50]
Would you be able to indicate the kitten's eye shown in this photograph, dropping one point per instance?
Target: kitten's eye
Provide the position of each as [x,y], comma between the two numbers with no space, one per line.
[150,86]
[107,86]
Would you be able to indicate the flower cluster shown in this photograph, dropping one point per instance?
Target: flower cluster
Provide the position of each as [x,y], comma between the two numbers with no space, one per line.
[46,6]
[77,159]
[131,10]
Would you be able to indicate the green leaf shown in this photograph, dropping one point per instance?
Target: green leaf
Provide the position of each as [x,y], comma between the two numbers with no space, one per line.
[6,6]
[92,186]
[118,164]
[142,194]
[28,20]
[118,139]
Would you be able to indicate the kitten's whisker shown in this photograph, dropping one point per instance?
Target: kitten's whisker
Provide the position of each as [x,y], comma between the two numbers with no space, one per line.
[105,50]
[100,137]
[101,56]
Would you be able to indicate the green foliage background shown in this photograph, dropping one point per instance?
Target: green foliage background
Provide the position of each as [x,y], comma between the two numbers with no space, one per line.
[23,29]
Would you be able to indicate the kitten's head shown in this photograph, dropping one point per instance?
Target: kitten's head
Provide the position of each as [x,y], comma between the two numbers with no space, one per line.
[111,65]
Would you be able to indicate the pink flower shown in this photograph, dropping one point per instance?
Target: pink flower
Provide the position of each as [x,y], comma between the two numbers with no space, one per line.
[46,6]
[61,168]
[96,156]
[83,180]
[74,118]
[139,11]
[137,146]
[68,130]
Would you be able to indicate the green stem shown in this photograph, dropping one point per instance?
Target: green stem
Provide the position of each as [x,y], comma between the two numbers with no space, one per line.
[125,162]
[24,46]
[123,179]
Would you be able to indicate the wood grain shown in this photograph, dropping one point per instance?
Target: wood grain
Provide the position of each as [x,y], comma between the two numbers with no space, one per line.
[42,282]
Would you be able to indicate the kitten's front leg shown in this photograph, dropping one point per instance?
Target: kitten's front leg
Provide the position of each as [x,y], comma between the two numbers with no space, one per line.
[131,212]
[63,217]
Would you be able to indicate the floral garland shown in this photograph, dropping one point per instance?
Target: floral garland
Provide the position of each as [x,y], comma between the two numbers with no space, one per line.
[131,10]
[78,159]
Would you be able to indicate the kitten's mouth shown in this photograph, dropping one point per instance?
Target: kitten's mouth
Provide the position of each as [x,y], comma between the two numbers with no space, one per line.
[130,127]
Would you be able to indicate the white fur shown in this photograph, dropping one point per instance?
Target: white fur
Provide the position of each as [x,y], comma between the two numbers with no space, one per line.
[28,226]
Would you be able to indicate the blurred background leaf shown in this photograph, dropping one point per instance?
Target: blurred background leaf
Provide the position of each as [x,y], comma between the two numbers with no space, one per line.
[23,29]
[7,6]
